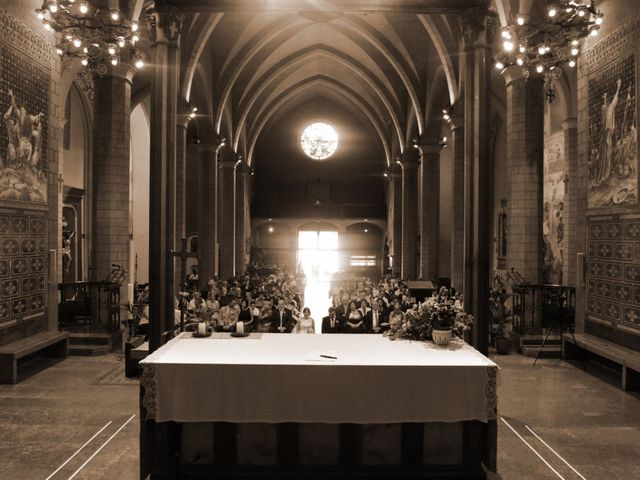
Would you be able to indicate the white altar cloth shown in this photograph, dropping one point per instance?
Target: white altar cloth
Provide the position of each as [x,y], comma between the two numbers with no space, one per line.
[276,378]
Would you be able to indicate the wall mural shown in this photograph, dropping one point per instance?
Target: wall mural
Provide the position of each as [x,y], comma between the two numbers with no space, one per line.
[613,136]
[554,192]
[24,104]
[25,85]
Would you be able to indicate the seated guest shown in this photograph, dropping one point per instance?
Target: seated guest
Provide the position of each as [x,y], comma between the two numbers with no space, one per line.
[342,310]
[355,320]
[196,304]
[396,317]
[228,317]
[376,320]
[331,323]
[305,324]
[246,315]
[265,321]
[282,318]
[364,308]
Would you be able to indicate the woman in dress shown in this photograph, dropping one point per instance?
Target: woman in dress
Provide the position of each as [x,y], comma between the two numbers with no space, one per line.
[396,317]
[355,320]
[246,315]
[305,324]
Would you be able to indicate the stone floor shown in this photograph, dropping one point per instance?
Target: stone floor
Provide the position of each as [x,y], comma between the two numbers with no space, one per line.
[584,416]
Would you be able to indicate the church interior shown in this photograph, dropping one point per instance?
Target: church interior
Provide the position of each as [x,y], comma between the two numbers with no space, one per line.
[319,239]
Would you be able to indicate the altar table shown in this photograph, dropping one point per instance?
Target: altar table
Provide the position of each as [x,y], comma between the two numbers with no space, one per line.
[356,393]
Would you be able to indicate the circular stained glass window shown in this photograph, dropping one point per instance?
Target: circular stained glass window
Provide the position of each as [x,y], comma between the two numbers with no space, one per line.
[319,141]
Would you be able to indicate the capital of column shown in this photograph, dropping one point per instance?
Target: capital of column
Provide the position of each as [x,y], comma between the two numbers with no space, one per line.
[164,24]
[457,121]
[516,73]
[569,123]
[212,147]
[429,149]
[227,164]
[242,168]
[478,26]
[183,113]
[122,70]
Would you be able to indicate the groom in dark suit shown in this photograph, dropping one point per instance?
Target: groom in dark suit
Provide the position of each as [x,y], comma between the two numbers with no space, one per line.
[331,323]
[282,319]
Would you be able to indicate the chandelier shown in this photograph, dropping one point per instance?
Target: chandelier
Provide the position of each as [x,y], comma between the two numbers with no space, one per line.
[94,32]
[551,43]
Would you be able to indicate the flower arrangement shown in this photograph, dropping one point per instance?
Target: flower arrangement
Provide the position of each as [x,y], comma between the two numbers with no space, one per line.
[442,311]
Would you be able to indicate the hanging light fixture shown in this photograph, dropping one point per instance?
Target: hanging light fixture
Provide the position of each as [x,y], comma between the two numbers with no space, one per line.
[94,32]
[552,42]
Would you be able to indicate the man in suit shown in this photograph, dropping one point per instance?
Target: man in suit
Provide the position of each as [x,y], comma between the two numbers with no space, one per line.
[331,323]
[342,310]
[282,318]
[377,319]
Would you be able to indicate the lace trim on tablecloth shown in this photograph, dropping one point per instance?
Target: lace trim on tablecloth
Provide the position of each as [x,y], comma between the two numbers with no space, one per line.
[148,383]
[491,392]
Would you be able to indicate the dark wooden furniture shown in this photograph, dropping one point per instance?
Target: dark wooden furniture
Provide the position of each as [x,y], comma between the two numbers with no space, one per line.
[135,350]
[587,344]
[52,344]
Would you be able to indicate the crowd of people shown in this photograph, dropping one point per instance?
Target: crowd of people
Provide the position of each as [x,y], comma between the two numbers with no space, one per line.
[271,300]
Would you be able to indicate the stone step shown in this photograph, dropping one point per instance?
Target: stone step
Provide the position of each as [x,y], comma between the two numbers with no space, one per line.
[89,350]
[89,338]
[549,351]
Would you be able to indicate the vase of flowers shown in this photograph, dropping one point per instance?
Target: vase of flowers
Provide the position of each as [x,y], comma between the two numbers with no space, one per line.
[438,319]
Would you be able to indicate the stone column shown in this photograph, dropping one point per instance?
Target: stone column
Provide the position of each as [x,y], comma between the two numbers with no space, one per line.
[164,23]
[242,172]
[409,215]
[569,126]
[111,173]
[396,207]
[479,27]
[525,144]
[457,208]
[226,218]
[207,207]
[430,211]
[180,186]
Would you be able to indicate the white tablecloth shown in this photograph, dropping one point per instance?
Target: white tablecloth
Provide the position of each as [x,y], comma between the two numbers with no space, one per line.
[281,378]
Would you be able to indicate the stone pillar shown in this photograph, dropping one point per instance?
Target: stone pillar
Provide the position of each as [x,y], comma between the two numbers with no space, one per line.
[226,218]
[430,211]
[207,207]
[457,208]
[569,126]
[525,144]
[409,215]
[180,181]
[111,173]
[396,203]
[163,24]
[242,172]
[479,27]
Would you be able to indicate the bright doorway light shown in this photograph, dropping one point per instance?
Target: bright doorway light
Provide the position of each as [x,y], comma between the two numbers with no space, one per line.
[318,259]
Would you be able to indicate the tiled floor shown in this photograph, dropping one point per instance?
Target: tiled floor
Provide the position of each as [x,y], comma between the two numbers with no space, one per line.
[590,422]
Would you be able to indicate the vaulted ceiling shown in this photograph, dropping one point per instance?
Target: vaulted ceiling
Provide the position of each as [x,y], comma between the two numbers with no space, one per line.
[394,70]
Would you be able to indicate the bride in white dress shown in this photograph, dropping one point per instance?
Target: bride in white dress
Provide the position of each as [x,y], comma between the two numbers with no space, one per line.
[305,324]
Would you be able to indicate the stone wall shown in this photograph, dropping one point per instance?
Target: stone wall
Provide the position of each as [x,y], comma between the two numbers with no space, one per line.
[608,163]
[29,187]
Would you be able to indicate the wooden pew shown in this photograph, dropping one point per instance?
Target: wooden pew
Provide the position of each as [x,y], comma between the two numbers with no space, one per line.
[52,344]
[627,358]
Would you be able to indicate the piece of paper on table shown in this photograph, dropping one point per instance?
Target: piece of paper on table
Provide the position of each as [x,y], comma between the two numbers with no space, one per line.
[321,356]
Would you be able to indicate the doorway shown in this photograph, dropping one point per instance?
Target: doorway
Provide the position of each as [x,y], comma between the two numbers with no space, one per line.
[318,258]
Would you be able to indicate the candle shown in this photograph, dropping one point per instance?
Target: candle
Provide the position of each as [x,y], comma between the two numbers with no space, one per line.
[130,293]
[240,328]
[202,328]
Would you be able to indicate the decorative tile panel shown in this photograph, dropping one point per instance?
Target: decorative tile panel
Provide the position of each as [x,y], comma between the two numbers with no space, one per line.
[22,266]
[613,271]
